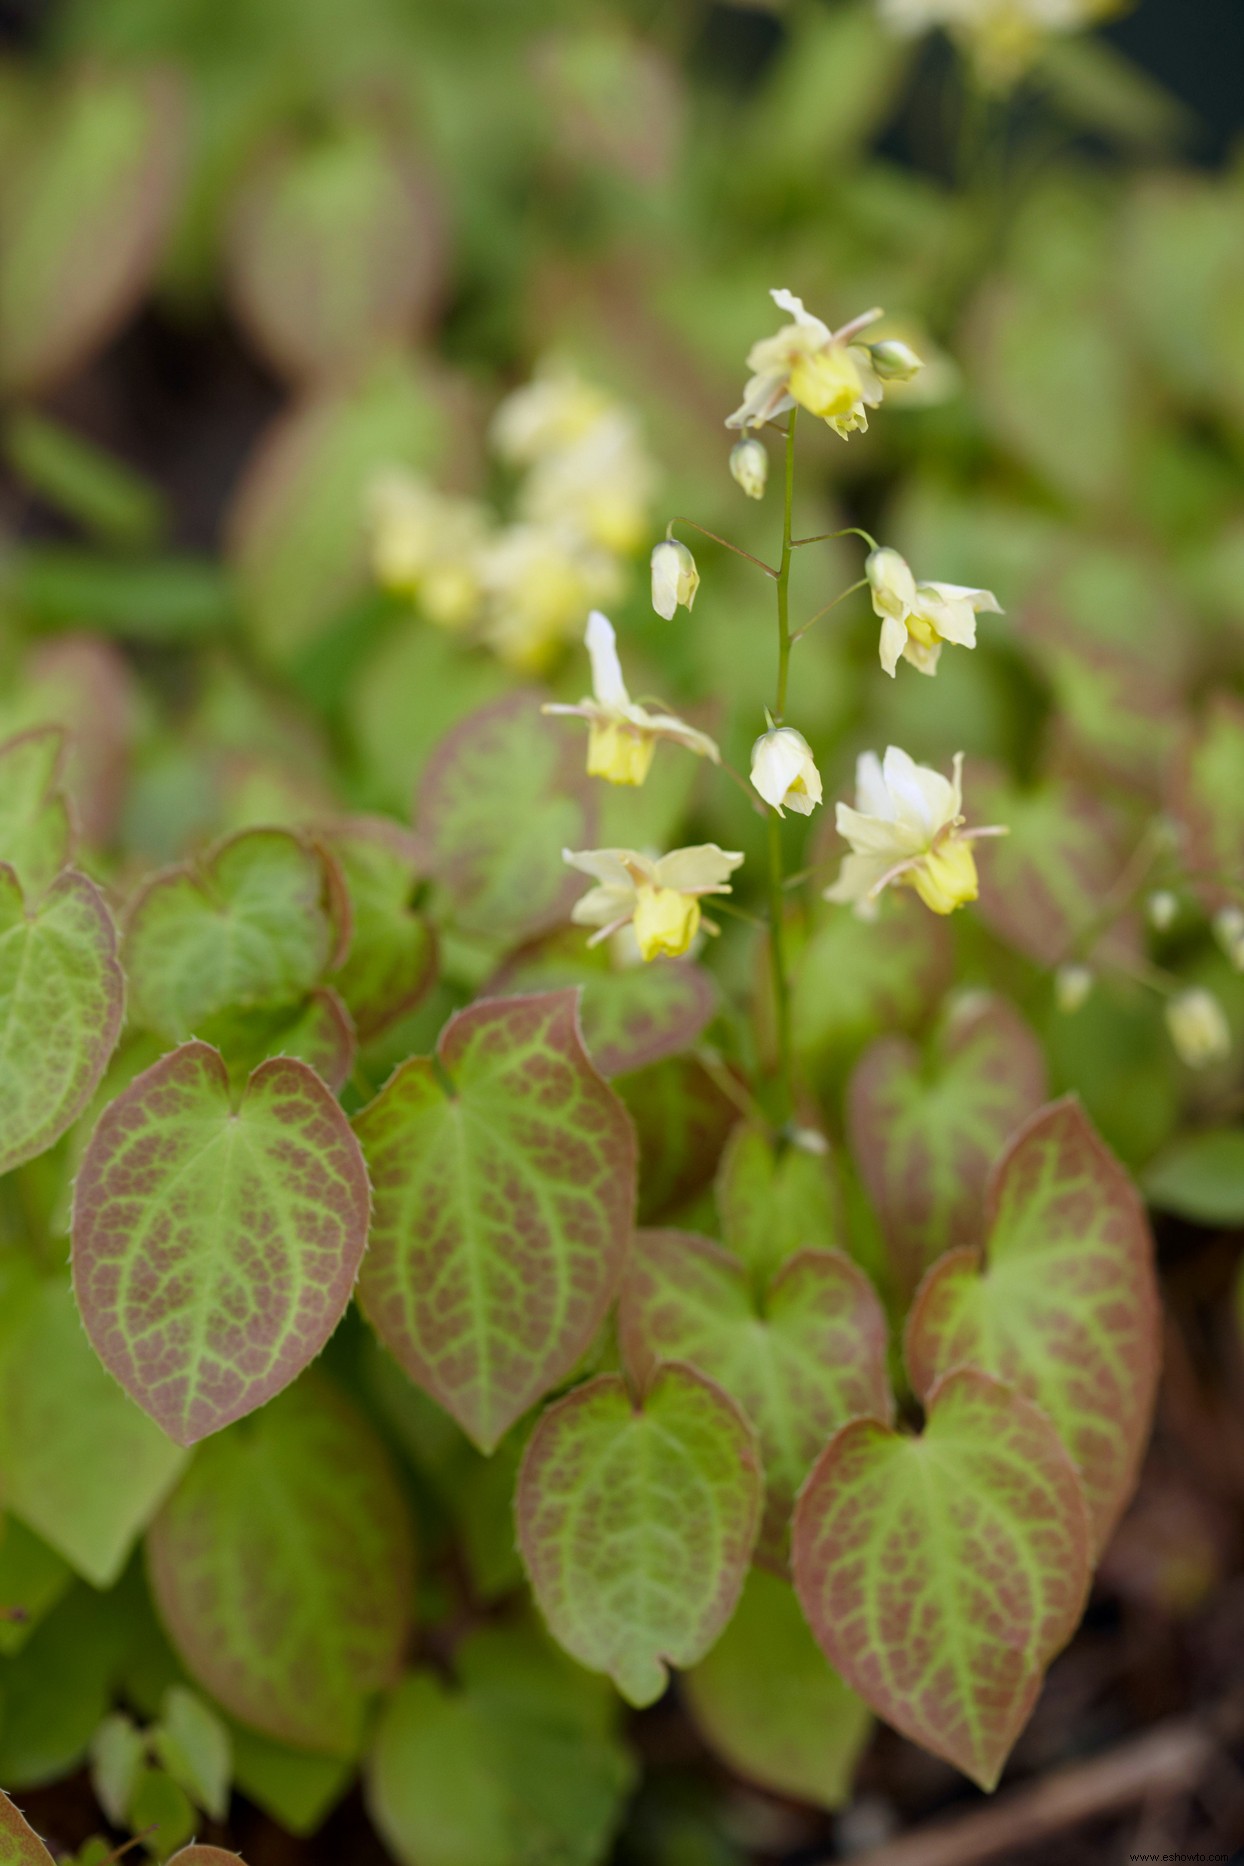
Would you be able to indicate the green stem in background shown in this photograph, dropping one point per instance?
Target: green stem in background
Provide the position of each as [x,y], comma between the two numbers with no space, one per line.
[848,531]
[736,548]
[777,930]
[783,575]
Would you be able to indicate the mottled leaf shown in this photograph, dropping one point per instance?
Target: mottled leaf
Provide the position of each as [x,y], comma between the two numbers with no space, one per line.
[1064,1304]
[776,1199]
[636,1520]
[504,1174]
[926,1132]
[392,958]
[799,1359]
[61,999]
[856,977]
[501,797]
[1209,802]
[36,835]
[771,1706]
[20,1845]
[942,1573]
[215,1246]
[1044,883]
[281,1568]
[682,1118]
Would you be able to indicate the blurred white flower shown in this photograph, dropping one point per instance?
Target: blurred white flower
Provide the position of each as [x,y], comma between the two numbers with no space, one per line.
[1229,932]
[552,411]
[622,737]
[906,830]
[784,771]
[1001,36]
[1072,985]
[659,899]
[916,618]
[1198,1027]
[675,578]
[1161,909]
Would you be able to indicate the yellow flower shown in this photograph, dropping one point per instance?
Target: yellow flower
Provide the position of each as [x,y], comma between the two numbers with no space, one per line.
[427,546]
[622,737]
[906,830]
[601,482]
[539,580]
[749,466]
[1198,1027]
[825,371]
[916,618]
[675,578]
[552,411]
[659,899]
[784,771]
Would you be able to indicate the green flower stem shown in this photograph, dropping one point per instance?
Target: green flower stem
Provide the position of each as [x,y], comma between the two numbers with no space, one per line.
[801,632]
[848,531]
[783,575]
[736,548]
[777,931]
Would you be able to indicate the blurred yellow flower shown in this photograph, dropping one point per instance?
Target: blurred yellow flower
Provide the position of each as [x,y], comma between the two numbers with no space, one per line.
[622,737]
[539,581]
[1198,1027]
[552,411]
[427,545]
[906,830]
[824,371]
[784,771]
[916,618]
[602,482]
[659,899]
[675,578]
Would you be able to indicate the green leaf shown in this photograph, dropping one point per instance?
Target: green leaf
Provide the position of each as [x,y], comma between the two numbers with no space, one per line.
[513,1767]
[941,1574]
[251,923]
[162,599]
[798,1360]
[771,1707]
[391,963]
[926,1133]
[1045,881]
[682,1120]
[82,1466]
[1181,269]
[636,1521]
[1063,1304]
[415,685]
[57,1690]
[281,1568]
[775,1200]
[162,1811]
[317,1031]
[503,794]
[1200,1177]
[1209,802]
[118,1756]
[215,1246]
[298,1789]
[61,997]
[504,1174]
[856,977]
[33,1578]
[89,195]
[20,1845]
[82,480]
[36,836]
[193,1744]
[84,685]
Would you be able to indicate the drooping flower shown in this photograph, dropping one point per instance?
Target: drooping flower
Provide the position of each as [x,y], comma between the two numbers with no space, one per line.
[784,771]
[825,371]
[1001,36]
[660,899]
[539,581]
[916,618]
[427,545]
[622,736]
[602,482]
[1198,1027]
[675,578]
[749,466]
[906,830]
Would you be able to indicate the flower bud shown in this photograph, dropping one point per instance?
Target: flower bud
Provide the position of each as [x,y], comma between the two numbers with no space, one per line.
[675,578]
[784,771]
[1161,909]
[1072,985]
[1229,932]
[894,361]
[1198,1027]
[749,466]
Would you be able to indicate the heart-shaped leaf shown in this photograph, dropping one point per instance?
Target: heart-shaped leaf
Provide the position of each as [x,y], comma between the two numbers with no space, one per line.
[281,1567]
[20,1845]
[1209,800]
[771,1706]
[799,1361]
[636,1521]
[392,958]
[856,977]
[1064,1305]
[61,1002]
[215,1246]
[250,924]
[774,1200]
[942,1573]
[36,836]
[924,1137]
[501,798]
[504,1172]
[1045,881]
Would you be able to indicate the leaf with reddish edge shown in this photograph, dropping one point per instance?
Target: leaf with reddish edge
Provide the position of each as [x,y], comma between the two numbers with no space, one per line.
[924,1139]
[215,1246]
[636,1521]
[84,684]
[391,962]
[282,1569]
[1063,1304]
[36,834]
[200,1855]
[799,1360]
[682,1118]
[20,1845]
[504,1172]
[942,1573]
[632,1016]
[1209,802]
[62,998]
[253,922]
[1044,883]
[501,797]
[775,1199]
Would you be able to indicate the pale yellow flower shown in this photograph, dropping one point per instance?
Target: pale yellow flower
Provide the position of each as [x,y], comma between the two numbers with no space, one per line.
[675,578]
[824,371]
[552,411]
[916,618]
[540,581]
[601,482]
[1072,986]
[428,546]
[1198,1027]
[659,899]
[906,830]
[622,736]
[749,466]
[784,771]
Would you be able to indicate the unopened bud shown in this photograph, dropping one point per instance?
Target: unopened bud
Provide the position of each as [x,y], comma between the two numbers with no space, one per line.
[895,361]
[1198,1027]
[749,466]
[1072,985]
[675,578]
[1161,908]
[1229,932]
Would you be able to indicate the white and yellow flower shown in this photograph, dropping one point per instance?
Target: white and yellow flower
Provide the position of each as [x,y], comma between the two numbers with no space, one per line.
[540,580]
[622,736]
[916,618]
[1198,1027]
[784,771]
[1001,36]
[552,411]
[906,830]
[427,546]
[749,466]
[825,371]
[675,578]
[659,899]
[602,482]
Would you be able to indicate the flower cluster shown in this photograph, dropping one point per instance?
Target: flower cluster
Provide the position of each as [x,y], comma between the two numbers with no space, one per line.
[831,373]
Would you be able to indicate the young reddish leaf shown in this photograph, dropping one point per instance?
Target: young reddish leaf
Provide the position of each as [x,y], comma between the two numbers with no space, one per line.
[636,1521]
[252,923]
[1064,1304]
[1209,802]
[800,1361]
[1045,881]
[768,1702]
[941,1574]
[682,1119]
[924,1139]
[215,1247]
[504,1171]
[282,1569]
[776,1200]
[20,1845]
[632,1016]
[61,1002]
[502,796]
[391,963]
[36,835]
